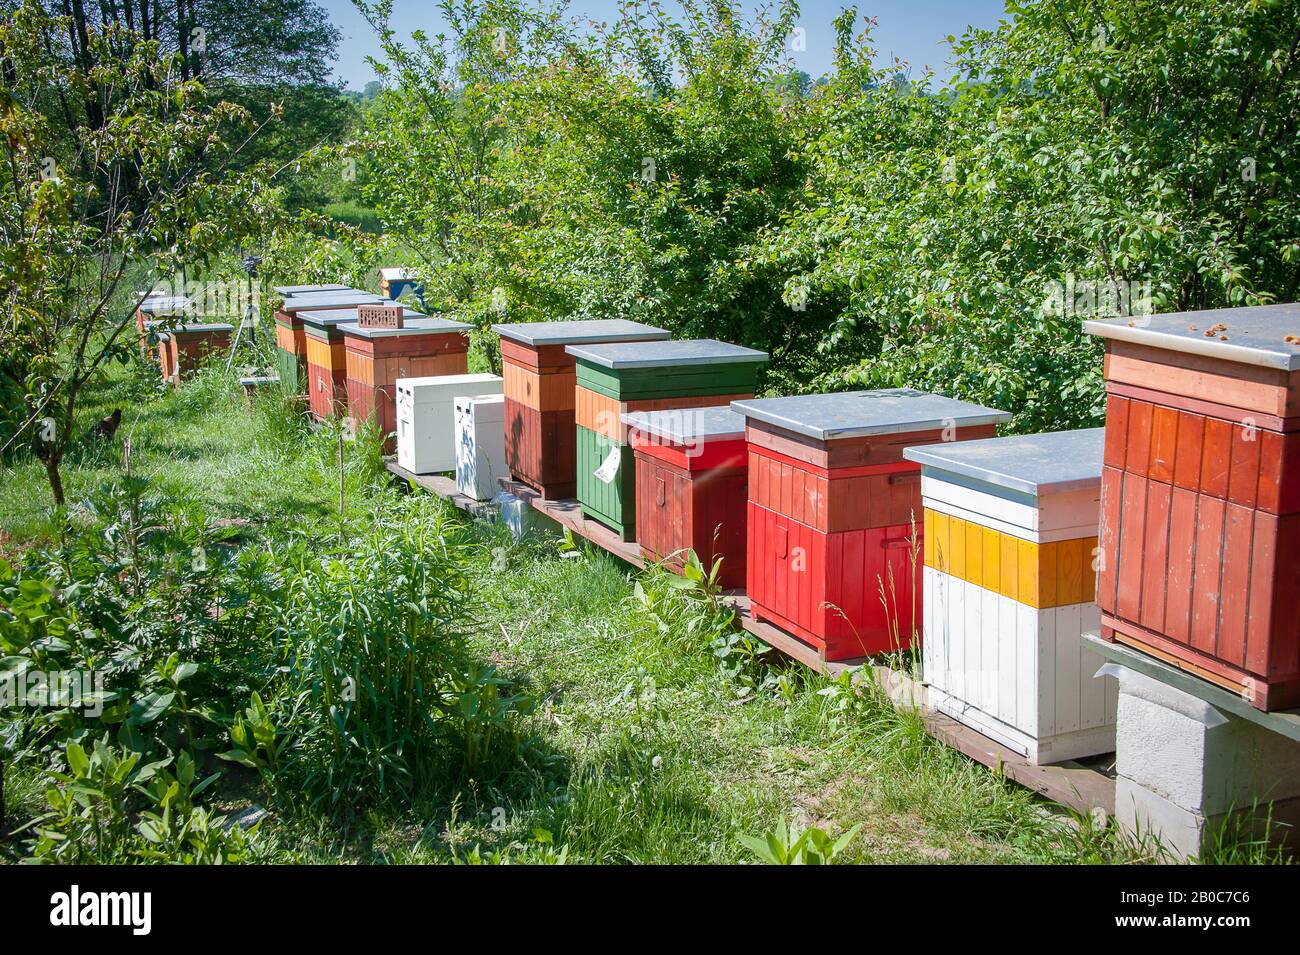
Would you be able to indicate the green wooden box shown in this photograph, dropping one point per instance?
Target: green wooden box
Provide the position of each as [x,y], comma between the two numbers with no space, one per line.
[619,377]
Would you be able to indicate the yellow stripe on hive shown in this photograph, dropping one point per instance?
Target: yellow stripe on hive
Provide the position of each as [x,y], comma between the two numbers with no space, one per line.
[1053,574]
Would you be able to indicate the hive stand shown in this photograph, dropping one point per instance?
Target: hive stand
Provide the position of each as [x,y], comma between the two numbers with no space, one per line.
[835,512]
[691,484]
[539,388]
[375,358]
[291,339]
[615,379]
[1193,758]
[1200,529]
[1010,539]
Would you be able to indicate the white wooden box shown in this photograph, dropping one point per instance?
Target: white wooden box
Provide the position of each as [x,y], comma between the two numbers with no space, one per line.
[1010,545]
[480,445]
[426,418]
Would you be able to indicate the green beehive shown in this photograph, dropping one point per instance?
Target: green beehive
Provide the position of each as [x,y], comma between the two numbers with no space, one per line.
[616,378]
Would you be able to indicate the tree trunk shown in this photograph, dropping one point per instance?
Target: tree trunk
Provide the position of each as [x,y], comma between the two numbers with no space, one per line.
[56,479]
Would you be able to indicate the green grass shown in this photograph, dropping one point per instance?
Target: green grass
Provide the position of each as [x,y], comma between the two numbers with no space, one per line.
[640,749]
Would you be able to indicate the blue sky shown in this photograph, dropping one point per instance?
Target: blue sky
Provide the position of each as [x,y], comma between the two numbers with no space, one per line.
[912,30]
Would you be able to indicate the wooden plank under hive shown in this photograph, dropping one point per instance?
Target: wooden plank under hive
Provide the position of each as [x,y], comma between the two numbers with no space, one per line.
[375,358]
[618,378]
[1010,544]
[290,336]
[1200,528]
[835,519]
[691,487]
[539,391]
[190,345]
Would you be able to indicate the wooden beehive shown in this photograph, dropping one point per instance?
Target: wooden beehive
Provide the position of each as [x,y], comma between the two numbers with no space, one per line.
[617,378]
[189,345]
[426,418]
[1009,548]
[396,282]
[155,310]
[691,484]
[835,512]
[1200,530]
[375,358]
[480,445]
[539,389]
[326,354]
[291,337]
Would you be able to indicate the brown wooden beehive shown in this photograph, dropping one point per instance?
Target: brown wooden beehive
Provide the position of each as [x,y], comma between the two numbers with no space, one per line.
[539,391]
[1200,530]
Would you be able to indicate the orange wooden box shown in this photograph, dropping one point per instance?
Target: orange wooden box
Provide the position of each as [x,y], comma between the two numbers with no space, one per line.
[1200,528]
[188,346]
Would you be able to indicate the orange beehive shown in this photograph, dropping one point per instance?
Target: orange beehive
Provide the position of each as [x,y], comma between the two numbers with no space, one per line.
[539,382]
[156,309]
[1200,529]
[835,510]
[326,355]
[291,337]
[375,358]
[189,345]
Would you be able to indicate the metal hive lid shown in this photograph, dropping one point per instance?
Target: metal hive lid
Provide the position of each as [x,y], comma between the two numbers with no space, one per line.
[284,290]
[538,334]
[662,354]
[1256,334]
[1058,461]
[854,414]
[416,324]
[683,425]
[329,300]
[338,316]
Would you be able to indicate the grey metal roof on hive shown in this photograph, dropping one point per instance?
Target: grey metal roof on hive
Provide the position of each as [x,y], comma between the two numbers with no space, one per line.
[422,325]
[683,425]
[854,414]
[663,354]
[330,300]
[537,334]
[1055,462]
[1253,334]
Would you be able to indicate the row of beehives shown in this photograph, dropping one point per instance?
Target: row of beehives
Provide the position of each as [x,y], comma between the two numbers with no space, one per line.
[854,520]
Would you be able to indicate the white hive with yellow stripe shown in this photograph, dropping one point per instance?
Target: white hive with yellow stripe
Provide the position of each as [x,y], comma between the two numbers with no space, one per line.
[1010,576]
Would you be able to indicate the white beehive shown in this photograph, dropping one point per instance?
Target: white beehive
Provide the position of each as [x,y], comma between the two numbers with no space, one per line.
[480,445]
[426,422]
[1010,539]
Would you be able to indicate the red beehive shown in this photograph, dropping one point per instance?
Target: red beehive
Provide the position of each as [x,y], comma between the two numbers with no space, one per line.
[835,512]
[1200,528]
[539,384]
[377,357]
[691,484]
[188,346]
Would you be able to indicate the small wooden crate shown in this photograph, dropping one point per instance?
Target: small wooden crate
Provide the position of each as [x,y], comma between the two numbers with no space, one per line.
[375,358]
[835,512]
[291,338]
[691,483]
[480,445]
[189,345]
[615,379]
[1010,545]
[1200,530]
[539,390]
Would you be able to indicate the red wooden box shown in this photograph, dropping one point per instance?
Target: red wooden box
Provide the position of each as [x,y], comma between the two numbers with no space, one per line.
[691,484]
[539,381]
[835,525]
[157,309]
[189,345]
[377,357]
[1200,528]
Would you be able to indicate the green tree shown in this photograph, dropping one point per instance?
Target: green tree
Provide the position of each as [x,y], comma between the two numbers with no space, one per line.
[142,189]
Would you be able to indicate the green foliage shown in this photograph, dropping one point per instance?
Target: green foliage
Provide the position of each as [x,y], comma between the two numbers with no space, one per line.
[792,845]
